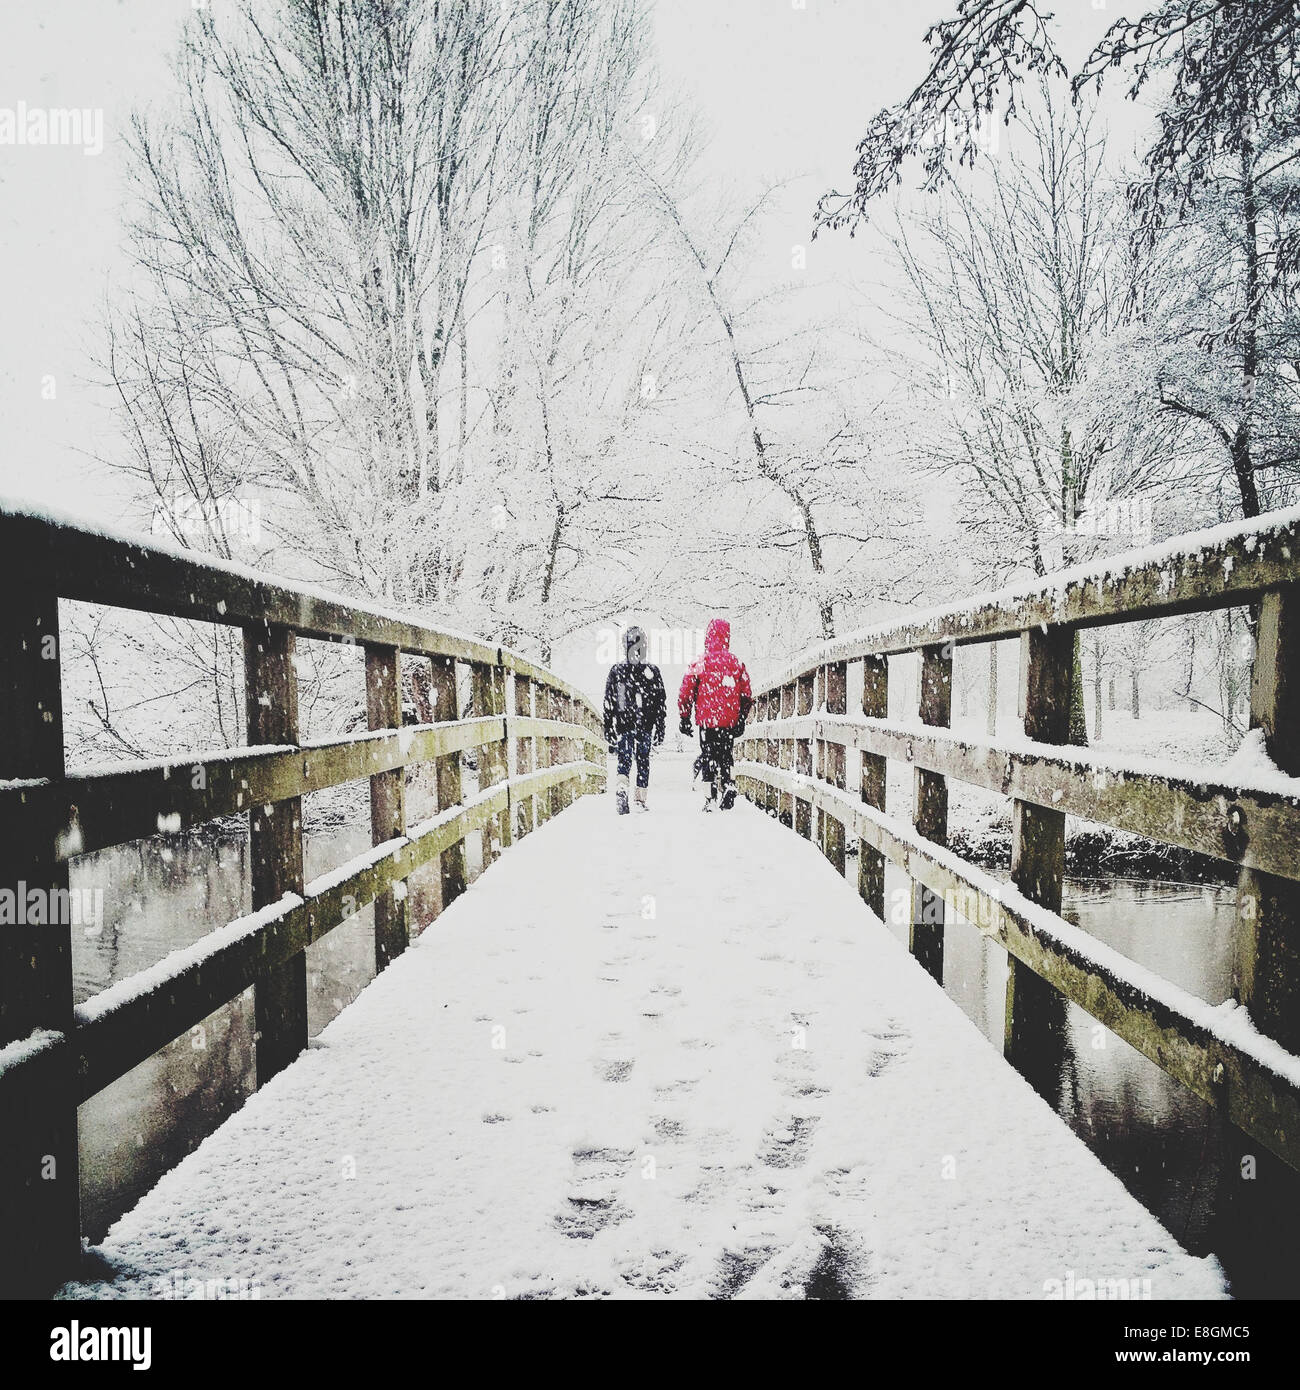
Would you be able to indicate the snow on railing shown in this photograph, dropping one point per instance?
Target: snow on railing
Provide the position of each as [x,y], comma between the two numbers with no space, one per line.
[1216,567]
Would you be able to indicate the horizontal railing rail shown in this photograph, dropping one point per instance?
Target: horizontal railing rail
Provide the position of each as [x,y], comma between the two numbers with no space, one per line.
[122,571]
[1181,806]
[538,743]
[1241,1055]
[129,801]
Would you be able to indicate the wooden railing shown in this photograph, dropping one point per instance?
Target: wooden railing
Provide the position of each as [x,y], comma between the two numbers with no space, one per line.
[54,1055]
[793,763]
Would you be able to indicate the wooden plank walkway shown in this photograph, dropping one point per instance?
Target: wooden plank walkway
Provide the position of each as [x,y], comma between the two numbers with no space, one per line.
[669,1055]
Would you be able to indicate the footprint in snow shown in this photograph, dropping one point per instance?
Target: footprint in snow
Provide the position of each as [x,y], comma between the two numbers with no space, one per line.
[896,1044]
[665,1127]
[615,1071]
[736,1268]
[653,1273]
[842,1270]
[592,1203]
[786,1143]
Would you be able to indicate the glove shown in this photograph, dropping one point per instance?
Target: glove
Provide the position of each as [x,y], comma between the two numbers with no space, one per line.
[685,725]
[613,747]
[659,737]
[740,728]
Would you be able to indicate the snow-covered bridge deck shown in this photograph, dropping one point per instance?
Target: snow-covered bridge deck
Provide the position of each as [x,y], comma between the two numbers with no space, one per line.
[670,1055]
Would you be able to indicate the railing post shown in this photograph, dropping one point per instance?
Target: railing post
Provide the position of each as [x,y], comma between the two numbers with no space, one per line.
[587,719]
[875,705]
[275,844]
[575,745]
[39,1199]
[1268,908]
[556,747]
[566,748]
[788,753]
[483,686]
[387,797]
[560,754]
[837,696]
[501,754]
[819,756]
[772,749]
[759,751]
[750,749]
[1035,1012]
[930,808]
[1267,974]
[803,822]
[451,791]
[542,747]
[525,750]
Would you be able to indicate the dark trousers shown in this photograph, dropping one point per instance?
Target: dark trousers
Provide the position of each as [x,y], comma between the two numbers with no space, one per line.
[716,747]
[635,743]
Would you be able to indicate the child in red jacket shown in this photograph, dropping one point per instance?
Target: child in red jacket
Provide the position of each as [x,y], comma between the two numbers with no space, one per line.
[717,686]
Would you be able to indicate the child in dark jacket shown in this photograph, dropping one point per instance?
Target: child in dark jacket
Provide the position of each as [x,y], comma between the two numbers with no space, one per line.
[635,709]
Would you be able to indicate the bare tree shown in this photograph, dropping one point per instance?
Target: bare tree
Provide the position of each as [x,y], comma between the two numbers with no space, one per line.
[1227,70]
[803,479]
[1012,295]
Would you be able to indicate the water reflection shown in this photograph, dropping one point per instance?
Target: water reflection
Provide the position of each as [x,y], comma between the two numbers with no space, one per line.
[159,896]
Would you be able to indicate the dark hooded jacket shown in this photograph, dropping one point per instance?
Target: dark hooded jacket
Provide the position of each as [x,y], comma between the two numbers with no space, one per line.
[635,701]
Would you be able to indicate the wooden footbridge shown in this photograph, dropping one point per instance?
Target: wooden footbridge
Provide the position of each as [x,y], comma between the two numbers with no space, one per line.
[538,749]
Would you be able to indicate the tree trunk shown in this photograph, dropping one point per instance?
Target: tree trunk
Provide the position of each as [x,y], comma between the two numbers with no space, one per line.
[1110,693]
[1135,701]
[548,578]
[1243,464]
[825,608]
[1096,694]
[991,724]
[464,401]
[1078,718]
[431,376]
[1191,665]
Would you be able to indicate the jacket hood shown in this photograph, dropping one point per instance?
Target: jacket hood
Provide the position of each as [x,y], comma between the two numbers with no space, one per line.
[634,646]
[717,636]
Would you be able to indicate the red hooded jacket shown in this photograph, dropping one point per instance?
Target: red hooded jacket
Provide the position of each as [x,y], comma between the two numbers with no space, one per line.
[716,683]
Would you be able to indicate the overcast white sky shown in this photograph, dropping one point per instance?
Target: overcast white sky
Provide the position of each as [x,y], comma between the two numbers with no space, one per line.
[785,87]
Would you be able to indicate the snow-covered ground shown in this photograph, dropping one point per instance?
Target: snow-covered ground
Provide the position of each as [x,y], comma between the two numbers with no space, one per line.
[661,1055]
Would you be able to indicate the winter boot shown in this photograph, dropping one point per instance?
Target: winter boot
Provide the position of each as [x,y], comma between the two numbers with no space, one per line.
[728,796]
[620,795]
[641,803]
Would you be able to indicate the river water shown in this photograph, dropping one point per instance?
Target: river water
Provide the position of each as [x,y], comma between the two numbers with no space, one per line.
[1161,1141]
